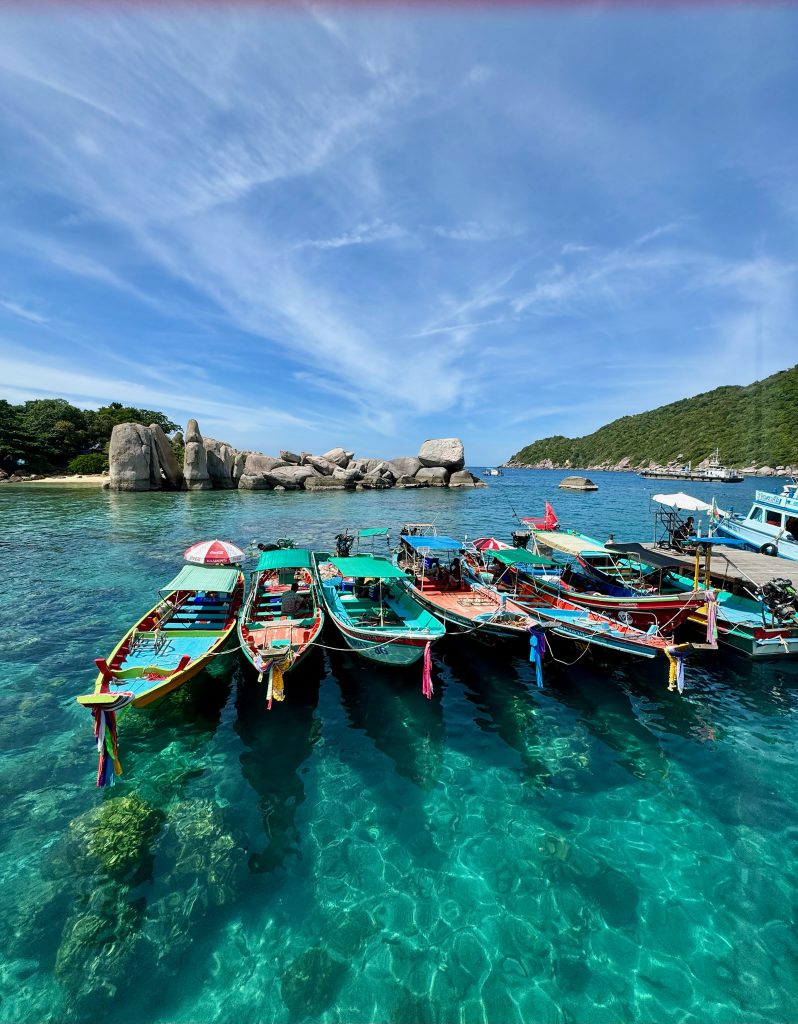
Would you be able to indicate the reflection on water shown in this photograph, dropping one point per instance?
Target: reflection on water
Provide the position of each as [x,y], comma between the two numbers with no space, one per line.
[598,849]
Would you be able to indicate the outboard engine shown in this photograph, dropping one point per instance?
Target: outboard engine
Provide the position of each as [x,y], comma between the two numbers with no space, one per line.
[521,538]
[780,598]
[343,545]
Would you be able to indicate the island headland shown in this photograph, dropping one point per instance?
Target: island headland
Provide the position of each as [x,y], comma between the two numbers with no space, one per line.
[754,427]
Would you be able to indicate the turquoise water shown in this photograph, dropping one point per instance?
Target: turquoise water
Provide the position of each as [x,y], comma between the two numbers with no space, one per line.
[599,850]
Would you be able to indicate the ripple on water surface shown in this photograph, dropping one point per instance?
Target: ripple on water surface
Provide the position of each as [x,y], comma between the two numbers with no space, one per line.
[597,850]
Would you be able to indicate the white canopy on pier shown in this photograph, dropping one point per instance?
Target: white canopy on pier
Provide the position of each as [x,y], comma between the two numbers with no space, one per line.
[683,501]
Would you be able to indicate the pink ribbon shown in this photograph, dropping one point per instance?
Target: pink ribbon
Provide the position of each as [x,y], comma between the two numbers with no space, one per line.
[426,678]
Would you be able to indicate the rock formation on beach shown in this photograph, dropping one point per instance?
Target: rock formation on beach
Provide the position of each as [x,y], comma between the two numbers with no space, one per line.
[141,459]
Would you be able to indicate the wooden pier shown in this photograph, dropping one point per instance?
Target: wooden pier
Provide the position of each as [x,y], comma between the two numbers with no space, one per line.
[735,569]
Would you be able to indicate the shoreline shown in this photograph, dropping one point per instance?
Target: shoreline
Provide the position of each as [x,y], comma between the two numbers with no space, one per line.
[84,480]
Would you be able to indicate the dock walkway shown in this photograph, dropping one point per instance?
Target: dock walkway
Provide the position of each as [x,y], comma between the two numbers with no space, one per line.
[736,569]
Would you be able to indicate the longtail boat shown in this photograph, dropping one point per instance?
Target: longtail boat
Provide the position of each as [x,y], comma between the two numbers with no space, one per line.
[535,580]
[442,585]
[563,617]
[370,601]
[272,640]
[744,623]
[172,643]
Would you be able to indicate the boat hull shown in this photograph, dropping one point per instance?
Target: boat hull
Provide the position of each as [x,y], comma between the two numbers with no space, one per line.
[265,641]
[758,538]
[203,644]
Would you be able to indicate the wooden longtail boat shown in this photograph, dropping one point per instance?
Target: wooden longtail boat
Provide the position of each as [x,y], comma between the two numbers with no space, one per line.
[548,582]
[565,618]
[370,601]
[272,641]
[462,602]
[741,622]
[169,645]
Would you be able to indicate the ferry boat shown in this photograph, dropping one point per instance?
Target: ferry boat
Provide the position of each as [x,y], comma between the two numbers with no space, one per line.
[715,473]
[771,526]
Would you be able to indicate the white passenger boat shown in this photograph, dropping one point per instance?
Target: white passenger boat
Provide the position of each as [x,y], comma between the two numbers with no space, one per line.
[771,526]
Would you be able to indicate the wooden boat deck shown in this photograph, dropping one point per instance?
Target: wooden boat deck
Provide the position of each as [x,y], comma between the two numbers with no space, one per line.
[734,569]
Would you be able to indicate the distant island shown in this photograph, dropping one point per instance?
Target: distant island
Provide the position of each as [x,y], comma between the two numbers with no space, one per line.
[755,427]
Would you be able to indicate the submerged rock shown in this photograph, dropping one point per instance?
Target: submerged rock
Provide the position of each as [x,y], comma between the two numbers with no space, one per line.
[116,837]
[206,855]
[311,982]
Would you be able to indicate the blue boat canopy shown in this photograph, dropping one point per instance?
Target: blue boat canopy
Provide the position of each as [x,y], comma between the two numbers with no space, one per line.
[371,566]
[433,543]
[284,558]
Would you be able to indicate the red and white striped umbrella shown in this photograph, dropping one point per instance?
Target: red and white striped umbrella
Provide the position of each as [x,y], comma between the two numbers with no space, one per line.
[490,544]
[213,552]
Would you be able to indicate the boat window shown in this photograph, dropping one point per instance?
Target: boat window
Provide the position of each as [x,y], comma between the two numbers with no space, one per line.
[773,518]
[791,526]
[756,513]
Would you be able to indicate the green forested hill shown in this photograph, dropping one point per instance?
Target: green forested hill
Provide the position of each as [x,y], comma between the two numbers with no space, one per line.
[757,424]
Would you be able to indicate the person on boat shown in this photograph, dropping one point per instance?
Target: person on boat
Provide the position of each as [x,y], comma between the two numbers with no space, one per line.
[293,603]
[455,574]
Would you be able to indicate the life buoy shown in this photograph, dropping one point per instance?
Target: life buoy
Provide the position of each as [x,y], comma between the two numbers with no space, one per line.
[769,549]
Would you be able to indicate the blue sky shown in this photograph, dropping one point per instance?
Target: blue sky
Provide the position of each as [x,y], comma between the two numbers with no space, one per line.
[319,226]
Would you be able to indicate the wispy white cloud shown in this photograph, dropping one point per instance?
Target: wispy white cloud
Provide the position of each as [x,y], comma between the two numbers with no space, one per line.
[24,314]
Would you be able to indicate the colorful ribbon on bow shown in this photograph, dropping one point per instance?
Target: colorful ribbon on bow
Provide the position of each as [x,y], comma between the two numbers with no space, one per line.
[676,668]
[426,675]
[712,618]
[537,649]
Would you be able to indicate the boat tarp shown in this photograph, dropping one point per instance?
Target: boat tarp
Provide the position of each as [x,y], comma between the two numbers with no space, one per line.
[433,543]
[284,558]
[569,543]
[520,556]
[646,555]
[368,566]
[373,531]
[203,577]
[683,501]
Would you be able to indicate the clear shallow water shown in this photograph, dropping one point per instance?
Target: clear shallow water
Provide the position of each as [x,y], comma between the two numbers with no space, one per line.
[594,851]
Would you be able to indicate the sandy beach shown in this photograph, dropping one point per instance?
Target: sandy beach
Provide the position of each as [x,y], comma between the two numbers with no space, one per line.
[85,480]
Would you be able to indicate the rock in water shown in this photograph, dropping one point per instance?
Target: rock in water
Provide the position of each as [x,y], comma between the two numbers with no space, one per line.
[405,465]
[578,483]
[221,462]
[321,464]
[443,451]
[326,483]
[130,458]
[339,456]
[433,476]
[291,477]
[291,458]
[462,478]
[195,460]
[170,467]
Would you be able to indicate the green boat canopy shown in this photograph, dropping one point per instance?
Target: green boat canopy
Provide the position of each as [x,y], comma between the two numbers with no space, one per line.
[374,531]
[284,558]
[368,565]
[520,556]
[204,577]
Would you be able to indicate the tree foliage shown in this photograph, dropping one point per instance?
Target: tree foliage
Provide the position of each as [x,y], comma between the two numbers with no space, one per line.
[47,433]
[752,425]
[91,462]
